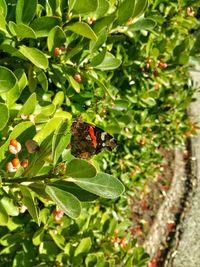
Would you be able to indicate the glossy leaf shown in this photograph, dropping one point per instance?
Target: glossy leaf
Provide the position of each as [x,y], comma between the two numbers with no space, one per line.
[82,29]
[7,79]
[10,206]
[125,11]
[43,25]
[29,106]
[79,168]
[22,79]
[120,105]
[60,140]
[3,8]
[109,63]
[83,247]
[42,79]
[56,38]
[142,24]
[47,129]
[37,57]
[75,85]
[102,184]
[81,194]
[3,215]
[38,236]
[25,11]
[58,239]
[30,204]
[24,31]
[140,7]
[84,6]
[67,202]
[4,115]
[3,24]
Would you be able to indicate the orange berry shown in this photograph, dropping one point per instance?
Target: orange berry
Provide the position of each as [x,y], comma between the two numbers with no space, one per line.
[77,77]
[15,162]
[13,142]
[57,51]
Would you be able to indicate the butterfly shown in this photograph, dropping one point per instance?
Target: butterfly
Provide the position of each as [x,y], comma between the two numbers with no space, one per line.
[88,140]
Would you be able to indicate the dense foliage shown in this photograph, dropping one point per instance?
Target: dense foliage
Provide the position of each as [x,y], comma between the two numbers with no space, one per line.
[121,65]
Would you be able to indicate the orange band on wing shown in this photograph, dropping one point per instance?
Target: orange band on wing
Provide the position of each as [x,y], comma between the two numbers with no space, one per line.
[90,130]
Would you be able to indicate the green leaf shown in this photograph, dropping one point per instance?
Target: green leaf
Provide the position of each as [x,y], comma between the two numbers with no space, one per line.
[103,7]
[29,106]
[97,60]
[58,99]
[24,31]
[22,79]
[84,6]
[37,57]
[42,78]
[79,168]
[109,63]
[58,239]
[38,236]
[142,24]
[82,29]
[120,105]
[43,25]
[3,8]
[67,202]
[4,115]
[140,7]
[60,140]
[7,79]
[3,215]
[75,85]
[83,247]
[12,96]
[10,206]
[48,129]
[81,194]
[29,203]
[25,11]
[3,24]
[125,11]
[56,38]
[102,184]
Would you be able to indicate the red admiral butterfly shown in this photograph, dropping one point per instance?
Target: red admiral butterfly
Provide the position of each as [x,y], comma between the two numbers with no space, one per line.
[88,140]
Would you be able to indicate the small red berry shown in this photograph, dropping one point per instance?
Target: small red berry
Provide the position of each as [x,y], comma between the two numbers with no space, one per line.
[57,51]
[62,48]
[24,163]
[77,77]
[58,214]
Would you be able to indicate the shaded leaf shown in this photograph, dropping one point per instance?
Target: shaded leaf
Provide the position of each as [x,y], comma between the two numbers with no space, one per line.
[142,24]
[29,203]
[67,202]
[7,79]
[25,11]
[102,184]
[4,115]
[79,168]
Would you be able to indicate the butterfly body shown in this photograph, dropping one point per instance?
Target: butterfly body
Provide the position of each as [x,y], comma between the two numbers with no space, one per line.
[88,140]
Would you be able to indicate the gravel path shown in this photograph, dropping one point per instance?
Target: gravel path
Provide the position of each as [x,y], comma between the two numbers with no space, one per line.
[188,250]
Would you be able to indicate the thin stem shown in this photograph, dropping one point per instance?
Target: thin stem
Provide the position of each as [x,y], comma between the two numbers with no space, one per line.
[28,179]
